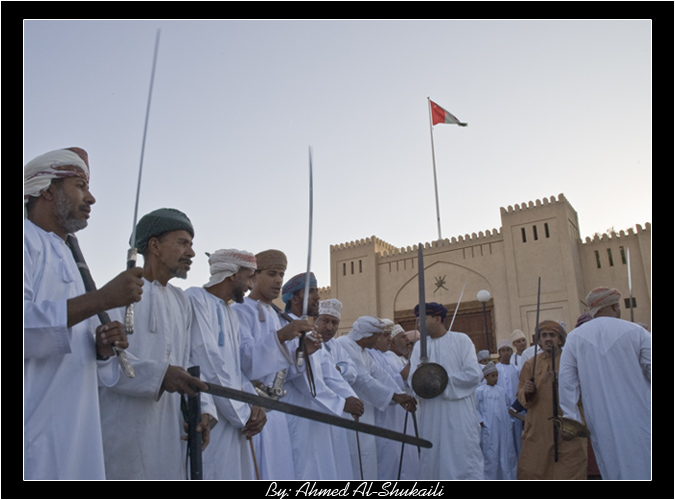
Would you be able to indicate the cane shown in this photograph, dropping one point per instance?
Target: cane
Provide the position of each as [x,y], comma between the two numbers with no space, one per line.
[255,462]
[400,462]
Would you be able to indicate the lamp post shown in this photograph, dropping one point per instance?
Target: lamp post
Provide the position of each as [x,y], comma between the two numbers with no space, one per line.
[483,296]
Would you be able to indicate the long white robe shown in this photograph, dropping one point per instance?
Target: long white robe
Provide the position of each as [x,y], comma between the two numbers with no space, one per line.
[314,454]
[449,420]
[509,376]
[375,388]
[62,426]
[395,418]
[608,361]
[142,425]
[262,356]
[215,348]
[496,438]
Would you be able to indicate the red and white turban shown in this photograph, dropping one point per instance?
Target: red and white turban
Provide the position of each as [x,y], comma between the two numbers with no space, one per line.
[601,297]
[39,172]
[224,263]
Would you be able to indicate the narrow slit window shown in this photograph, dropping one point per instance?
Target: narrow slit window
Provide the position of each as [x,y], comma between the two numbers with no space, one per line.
[522,232]
[352,263]
[344,269]
[548,235]
[622,250]
[360,266]
[609,256]
[597,259]
[534,231]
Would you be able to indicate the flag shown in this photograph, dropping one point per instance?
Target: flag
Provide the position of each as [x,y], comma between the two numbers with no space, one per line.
[440,115]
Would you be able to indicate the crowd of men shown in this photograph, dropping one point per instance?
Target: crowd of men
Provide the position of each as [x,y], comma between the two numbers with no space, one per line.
[86,419]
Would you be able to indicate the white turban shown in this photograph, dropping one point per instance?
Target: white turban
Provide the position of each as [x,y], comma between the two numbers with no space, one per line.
[331,307]
[39,172]
[224,263]
[365,326]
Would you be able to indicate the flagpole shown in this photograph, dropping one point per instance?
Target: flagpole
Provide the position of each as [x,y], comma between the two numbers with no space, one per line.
[433,159]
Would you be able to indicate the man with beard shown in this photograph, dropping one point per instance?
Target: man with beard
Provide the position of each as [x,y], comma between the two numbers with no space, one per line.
[215,348]
[142,426]
[64,350]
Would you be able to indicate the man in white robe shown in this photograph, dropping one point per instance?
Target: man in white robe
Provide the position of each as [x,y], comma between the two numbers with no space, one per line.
[142,426]
[266,356]
[315,453]
[449,420]
[390,353]
[374,387]
[62,427]
[215,349]
[509,377]
[607,361]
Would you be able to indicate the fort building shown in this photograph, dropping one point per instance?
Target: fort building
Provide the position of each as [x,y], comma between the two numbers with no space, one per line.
[537,240]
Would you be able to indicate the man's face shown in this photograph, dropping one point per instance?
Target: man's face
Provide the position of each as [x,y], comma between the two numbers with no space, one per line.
[312,302]
[72,203]
[505,354]
[243,282]
[327,326]
[401,344]
[383,341]
[491,378]
[267,283]
[548,339]
[520,344]
[174,252]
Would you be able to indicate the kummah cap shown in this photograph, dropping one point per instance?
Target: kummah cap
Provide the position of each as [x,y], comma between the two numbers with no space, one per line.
[601,297]
[504,343]
[39,172]
[556,326]
[158,222]
[271,259]
[433,309]
[517,335]
[489,368]
[396,330]
[480,355]
[224,263]
[295,284]
[365,326]
[331,307]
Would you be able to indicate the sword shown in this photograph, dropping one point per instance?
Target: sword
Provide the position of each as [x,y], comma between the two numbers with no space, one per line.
[90,286]
[457,307]
[132,253]
[630,285]
[327,418]
[536,327]
[305,300]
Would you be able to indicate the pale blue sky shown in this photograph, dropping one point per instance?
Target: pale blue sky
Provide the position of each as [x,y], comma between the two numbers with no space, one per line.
[552,106]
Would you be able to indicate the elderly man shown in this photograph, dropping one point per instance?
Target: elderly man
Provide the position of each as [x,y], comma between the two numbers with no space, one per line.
[61,340]
[374,387]
[536,394]
[267,353]
[608,362]
[450,418]
[215,348]
[142,426]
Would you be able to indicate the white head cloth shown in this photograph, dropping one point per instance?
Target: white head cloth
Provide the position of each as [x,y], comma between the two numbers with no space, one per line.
[39,172]
[601,297]
[224,263]
[331,307]
[365,326]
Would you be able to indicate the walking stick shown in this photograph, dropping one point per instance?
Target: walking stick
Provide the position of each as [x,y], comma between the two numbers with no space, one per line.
[400,462]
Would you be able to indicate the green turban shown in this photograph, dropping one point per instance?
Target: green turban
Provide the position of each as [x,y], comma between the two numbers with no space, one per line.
[158,222]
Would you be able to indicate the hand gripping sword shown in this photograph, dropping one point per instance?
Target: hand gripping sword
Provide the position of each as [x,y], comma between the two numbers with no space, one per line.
[132,253]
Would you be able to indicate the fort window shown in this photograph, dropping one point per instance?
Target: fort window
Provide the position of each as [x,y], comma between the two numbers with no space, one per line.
[627,302]
[622,251]
[534,230]
[546,230]
[352,265]
[344,269]
[360,266]
[609,256]
[522,232]
[597,259]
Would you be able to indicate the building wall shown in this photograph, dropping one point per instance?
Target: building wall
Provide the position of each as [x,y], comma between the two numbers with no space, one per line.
[537,240]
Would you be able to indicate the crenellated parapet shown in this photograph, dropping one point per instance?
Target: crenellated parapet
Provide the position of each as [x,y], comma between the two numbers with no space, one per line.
[619,235]
[534,204]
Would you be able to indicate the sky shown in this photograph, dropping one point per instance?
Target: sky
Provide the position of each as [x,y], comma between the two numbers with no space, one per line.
[552,107]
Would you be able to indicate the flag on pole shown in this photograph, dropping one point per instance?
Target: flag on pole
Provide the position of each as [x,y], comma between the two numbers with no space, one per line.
[440,115]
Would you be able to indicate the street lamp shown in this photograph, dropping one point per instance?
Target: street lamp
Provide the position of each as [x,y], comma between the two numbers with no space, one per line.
[483,296]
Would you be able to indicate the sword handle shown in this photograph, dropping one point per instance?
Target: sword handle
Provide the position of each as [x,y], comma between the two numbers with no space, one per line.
[132,255]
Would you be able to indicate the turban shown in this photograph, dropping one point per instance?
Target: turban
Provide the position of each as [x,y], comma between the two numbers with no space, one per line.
[433,309]
[413,335]
[271,259]
[365,326]
[601,297]
[158,222]
[331,307]
[224,263]
[584,318]
[295,284]
[39,172]
[555,326]
[489,368]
